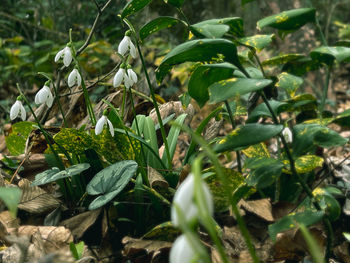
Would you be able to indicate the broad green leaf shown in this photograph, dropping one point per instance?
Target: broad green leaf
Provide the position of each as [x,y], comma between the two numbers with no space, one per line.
[234,178]
[204,76]
[259,42]
[134,6]
[200,50]
[303,102]
[262,111]
[172,137]
[11,197]
[165,231]
[110,181]
[257,150]
[327,54]
[230,88]
[254,73]
[263,171]
[289,20]
[290,221]
[243,2]
[303,137]
[216,28]
[74,141]
[16,140]
[328,138]
[289,83]
[323,121]
[328,202]
[176,3]
[281,59]
[55,174]
[301,66]
[247,135]
[306,164]
[343,119]
[157,24]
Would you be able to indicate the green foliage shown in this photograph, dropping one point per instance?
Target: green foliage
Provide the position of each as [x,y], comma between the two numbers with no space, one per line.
[11,197]
[328,55]
[77,249]
[110,181]
[217,28]
[16,140]
[157,24]
[133,7]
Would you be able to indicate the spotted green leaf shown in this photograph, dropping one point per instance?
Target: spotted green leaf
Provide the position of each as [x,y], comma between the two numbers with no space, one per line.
[303,102]
[343,119]
[16,140]
[308,163]
[328,55]
[11,197]
[259,42]
[200,50]
[301,66]
[176,3]
[282,59]
[110,181]
[230,88]
[328,202]
[134,6]
[204,76]
[289,20]
[247,135]
[328,138]
[289,83]
[157,24]
[290,221]
[165,231]
[216,28]
[262,111]
[257,150]
[234,178]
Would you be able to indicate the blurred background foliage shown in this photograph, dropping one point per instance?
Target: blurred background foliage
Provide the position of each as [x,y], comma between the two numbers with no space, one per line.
[32,31]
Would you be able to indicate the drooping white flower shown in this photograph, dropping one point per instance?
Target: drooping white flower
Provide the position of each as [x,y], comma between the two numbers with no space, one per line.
[66,53]
[44,95]
[132,75]
[181,251]
[118,77]
[17,109]
[184,200]
[126,45]
[74,78]
[287,134]
[101,123]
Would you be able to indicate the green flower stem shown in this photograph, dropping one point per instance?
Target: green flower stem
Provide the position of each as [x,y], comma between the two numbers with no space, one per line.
[306,188]
[212,156]
[88,103]
[233,123]
[154,100]
[204,214]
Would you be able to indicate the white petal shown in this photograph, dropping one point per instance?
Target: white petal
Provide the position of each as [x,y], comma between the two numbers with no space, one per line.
[127,81]
[37,99]
[78,79]
[72,78]
[59,55]
[124,45]
[132,75]
[49,100]
[43,94]
[118,77]
[181,251]
[23,112]
[111,129]
[99,125]
[15,110]
[132,50]
[287,134]
[67,59]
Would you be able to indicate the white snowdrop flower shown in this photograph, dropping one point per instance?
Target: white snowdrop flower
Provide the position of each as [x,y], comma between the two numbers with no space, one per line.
[74,78]
[17,109]
[118,77]
[126,45]
[127,81]
[132,75]
[44,95]
[101,123]
[181,251]
[287,134]
[184,200]
[66,53]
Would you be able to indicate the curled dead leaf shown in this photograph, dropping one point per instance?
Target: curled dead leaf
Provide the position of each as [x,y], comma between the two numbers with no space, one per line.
[261,208]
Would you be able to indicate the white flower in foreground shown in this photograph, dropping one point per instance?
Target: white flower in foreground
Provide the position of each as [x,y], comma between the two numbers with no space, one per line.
[101,123]
[66,53]
[119,77]
[17,109]
[44,95]
[181,251]
[287,134]
[126,45]
[74,78]
[128,77]
[184,200]
[132,76]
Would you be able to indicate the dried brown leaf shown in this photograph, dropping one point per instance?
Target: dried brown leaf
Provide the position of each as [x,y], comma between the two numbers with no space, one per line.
[156,180]
[262,208]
